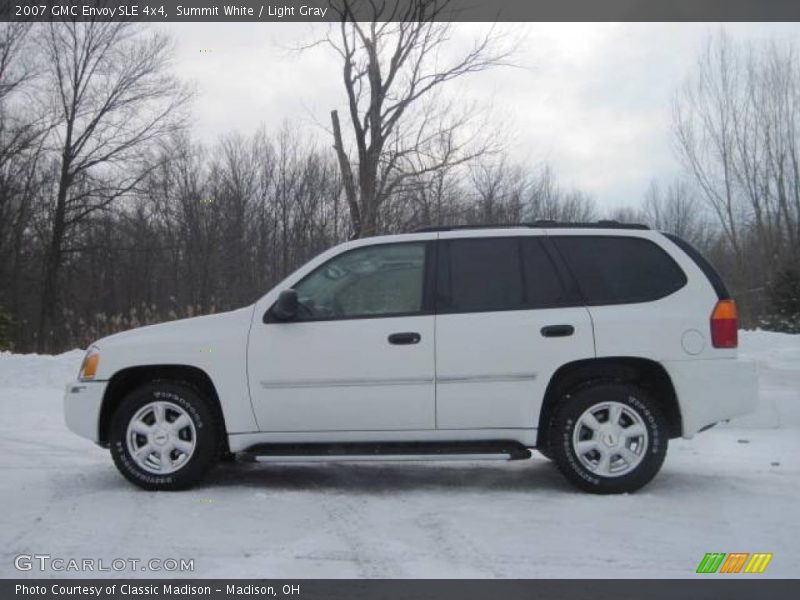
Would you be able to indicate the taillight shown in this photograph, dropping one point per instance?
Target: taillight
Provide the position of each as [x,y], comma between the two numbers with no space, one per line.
[724,325]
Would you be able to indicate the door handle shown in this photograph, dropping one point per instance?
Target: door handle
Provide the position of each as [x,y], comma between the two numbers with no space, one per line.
[405,338]
[558,330]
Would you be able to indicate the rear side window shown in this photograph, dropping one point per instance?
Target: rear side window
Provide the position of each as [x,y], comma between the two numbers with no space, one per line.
[620,270]
[496,274]
[544,287]
[482,274]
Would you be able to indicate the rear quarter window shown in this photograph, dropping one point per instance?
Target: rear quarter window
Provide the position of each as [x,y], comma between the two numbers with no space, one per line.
[619,270]
[703,264]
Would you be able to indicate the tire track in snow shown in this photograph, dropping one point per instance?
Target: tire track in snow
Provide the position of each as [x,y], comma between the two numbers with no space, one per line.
[345,521]
[456,547]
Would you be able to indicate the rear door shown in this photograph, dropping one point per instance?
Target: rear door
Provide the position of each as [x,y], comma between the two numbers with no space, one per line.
[507,318]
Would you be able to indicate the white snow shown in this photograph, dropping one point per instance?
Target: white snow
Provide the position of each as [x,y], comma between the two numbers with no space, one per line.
[734,488]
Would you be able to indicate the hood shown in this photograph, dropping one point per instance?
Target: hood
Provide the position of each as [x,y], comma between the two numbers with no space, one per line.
[206,329]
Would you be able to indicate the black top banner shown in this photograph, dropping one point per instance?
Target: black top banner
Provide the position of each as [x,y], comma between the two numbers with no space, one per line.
[399,10]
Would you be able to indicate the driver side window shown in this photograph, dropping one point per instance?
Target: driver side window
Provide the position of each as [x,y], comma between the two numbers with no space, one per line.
[379,280]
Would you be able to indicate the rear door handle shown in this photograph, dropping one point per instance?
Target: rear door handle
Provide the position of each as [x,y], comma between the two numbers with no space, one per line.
[558,330]
[405,338]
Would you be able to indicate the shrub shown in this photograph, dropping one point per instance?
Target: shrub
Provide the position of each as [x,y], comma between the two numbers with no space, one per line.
[5,330]
[784,301]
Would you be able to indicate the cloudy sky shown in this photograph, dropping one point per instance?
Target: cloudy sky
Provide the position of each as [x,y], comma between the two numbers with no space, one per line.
[591,99]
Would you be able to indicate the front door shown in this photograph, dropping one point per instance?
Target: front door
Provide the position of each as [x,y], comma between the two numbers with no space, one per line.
[360,355]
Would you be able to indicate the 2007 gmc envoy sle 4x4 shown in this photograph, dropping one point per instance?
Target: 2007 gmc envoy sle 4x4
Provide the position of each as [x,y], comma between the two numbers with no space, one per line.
[593,343]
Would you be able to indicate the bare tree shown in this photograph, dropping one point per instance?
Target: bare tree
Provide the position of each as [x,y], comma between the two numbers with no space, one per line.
[23,128]
[548,200]
[113,97]
[13,71]
[677,209]
[501,190]
[392,67]
[737,128]
[705,120]
[18,133]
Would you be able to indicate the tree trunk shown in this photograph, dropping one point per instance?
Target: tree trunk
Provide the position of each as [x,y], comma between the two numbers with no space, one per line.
[52,262]
[347,177]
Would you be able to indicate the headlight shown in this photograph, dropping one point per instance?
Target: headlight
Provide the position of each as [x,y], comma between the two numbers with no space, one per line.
[89,364]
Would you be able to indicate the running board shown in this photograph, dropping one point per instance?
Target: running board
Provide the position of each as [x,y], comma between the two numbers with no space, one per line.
[492,449]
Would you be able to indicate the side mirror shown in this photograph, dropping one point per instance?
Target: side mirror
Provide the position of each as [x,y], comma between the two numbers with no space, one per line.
[285,308]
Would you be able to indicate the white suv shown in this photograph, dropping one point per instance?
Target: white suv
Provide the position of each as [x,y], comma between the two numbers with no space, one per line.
[593,343]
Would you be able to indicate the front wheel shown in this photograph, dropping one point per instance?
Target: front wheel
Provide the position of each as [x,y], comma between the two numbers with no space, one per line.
[609,438]
[163,436]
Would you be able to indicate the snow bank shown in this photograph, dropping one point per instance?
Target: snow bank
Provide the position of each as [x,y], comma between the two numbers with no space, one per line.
[774,350]
[39,370]
[778,358]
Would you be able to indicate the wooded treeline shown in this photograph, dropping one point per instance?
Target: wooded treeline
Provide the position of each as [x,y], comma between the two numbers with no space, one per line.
[737,133]
[113,215]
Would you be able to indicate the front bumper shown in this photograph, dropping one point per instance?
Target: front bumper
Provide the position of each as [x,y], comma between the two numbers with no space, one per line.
[82,403]
[710,391]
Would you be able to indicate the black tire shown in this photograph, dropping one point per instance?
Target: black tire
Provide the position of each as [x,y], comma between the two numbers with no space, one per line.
[206,432]
[566,457]
[227,457]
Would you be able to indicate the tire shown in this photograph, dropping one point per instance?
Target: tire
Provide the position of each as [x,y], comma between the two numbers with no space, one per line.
[609,438]
[171,427]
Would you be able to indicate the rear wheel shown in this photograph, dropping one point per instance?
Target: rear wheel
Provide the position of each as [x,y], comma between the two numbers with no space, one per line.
[609,438]
[163,436]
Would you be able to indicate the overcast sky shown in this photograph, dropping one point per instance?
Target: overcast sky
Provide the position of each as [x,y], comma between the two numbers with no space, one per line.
[591,99]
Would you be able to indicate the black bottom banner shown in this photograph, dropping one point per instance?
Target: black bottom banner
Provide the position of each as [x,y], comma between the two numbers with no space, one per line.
[406,589]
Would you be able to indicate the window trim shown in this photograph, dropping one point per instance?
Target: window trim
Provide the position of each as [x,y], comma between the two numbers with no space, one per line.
[426,309]
[585,299]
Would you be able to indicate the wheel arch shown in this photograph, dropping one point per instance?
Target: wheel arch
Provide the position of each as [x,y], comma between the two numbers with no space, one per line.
[648,374]
[130,378]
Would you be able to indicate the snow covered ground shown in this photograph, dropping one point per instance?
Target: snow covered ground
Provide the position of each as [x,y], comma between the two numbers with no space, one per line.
[735,488]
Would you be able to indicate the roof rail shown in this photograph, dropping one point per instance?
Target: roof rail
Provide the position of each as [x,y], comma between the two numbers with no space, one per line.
[539,223]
